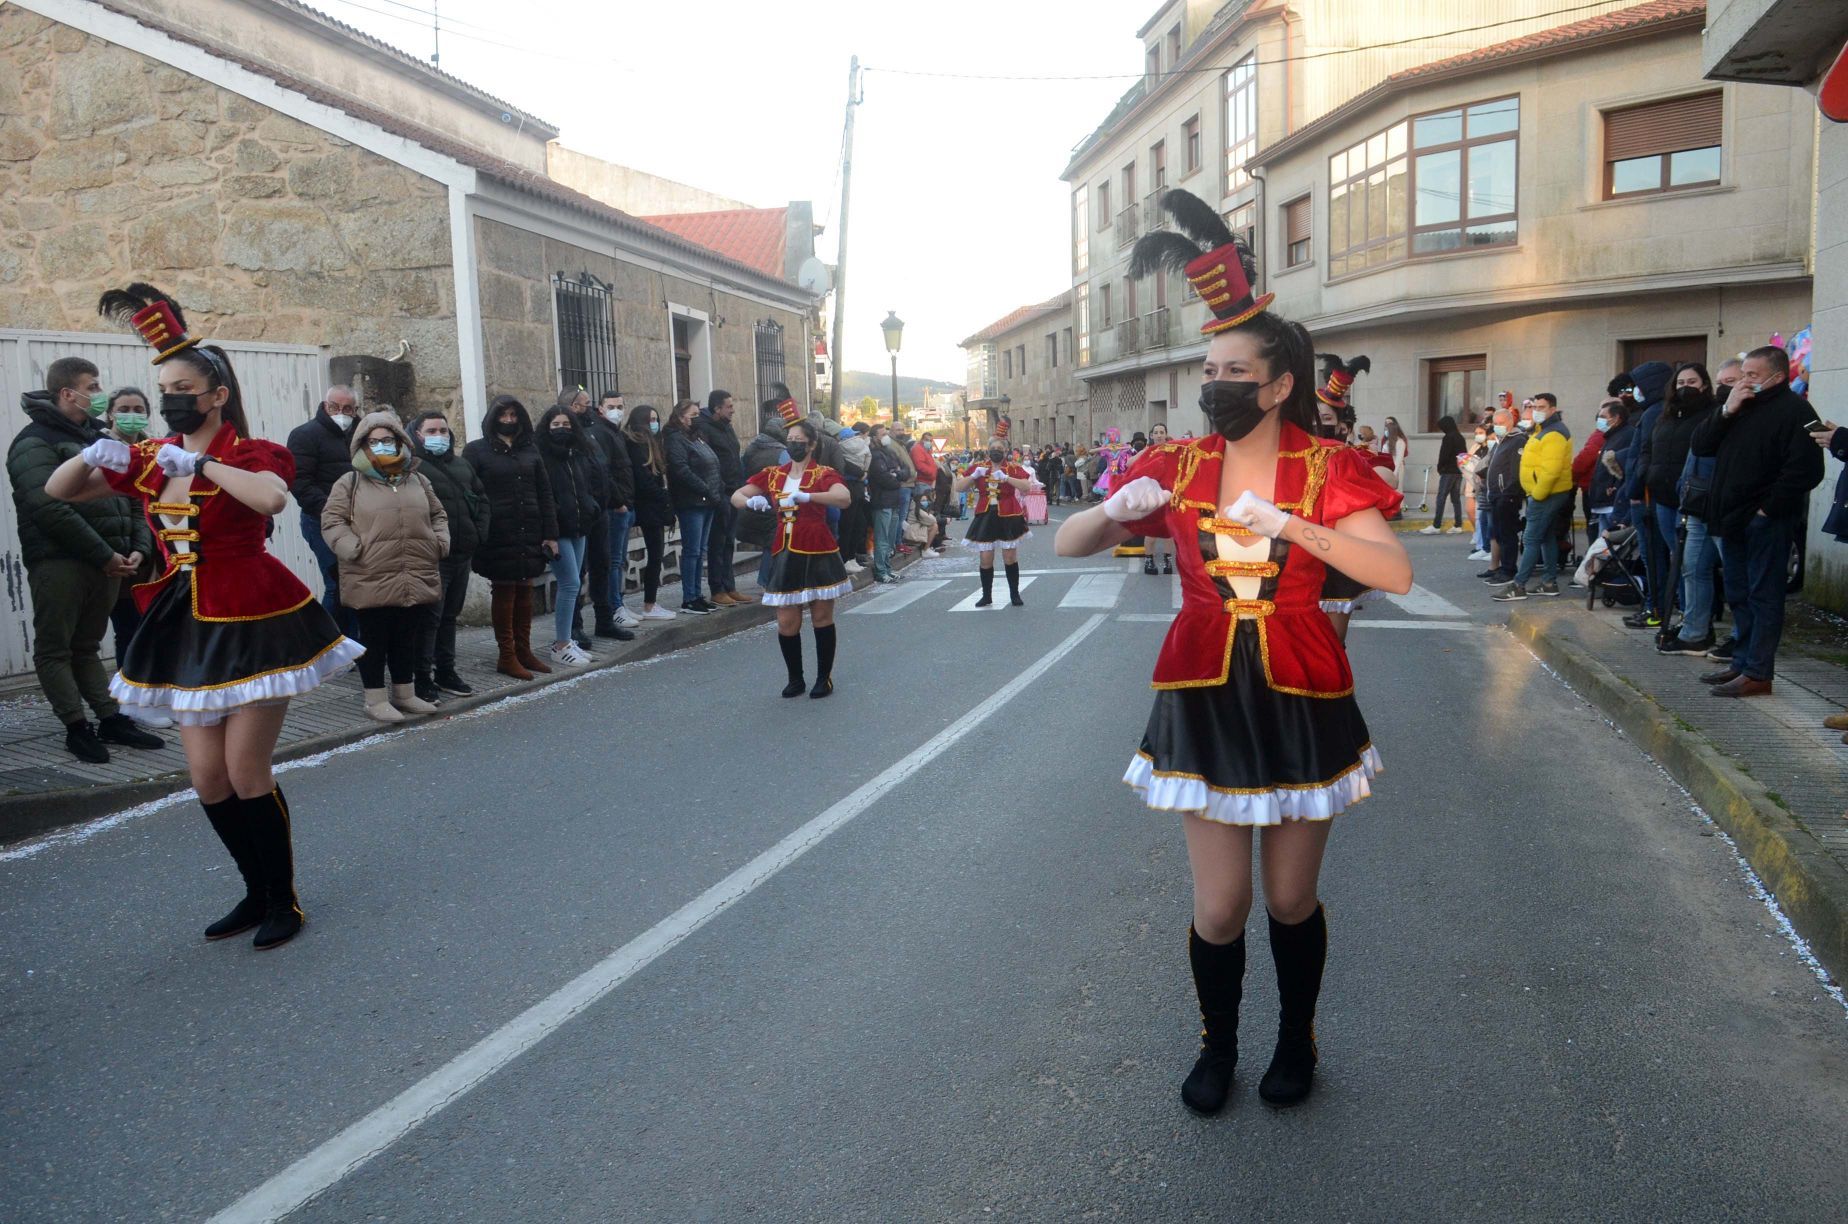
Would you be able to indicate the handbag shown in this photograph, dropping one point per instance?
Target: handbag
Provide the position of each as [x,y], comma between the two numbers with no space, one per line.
[1697,496]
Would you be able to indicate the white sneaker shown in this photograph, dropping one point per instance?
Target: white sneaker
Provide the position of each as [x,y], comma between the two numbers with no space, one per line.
[931,552]
[1427,531]
[1453,531]
[658,613]
[854,567]
[568,654]
[1481,554]
[627,619]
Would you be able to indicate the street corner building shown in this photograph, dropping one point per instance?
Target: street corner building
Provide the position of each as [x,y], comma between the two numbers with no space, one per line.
[1551,197]
[335,210]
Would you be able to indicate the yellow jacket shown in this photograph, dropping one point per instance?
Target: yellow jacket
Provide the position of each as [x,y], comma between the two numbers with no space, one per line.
[1546,462]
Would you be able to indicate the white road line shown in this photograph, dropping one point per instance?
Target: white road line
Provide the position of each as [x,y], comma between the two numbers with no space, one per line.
[1421,602]
[329,1163]
[970,573]
[1095,591]
[1361,622]
[892,601]
[968,603]
[1152,618]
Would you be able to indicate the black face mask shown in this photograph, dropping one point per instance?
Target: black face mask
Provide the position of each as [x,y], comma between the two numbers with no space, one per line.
[996,455]
[1691,397]
[181,412]
[506,429]
[798,451]
[1232,407]
[1324,430]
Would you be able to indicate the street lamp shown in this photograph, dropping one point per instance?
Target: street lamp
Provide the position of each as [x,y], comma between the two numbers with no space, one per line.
[894,328]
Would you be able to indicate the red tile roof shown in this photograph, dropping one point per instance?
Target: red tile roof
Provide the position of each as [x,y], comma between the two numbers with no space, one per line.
[755,236]
[1019,318]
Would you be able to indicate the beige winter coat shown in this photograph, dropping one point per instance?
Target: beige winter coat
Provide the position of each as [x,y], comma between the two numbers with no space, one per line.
[387,535]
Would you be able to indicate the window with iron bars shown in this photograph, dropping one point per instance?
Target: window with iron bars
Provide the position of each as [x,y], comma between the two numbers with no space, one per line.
[585,309]
[768,342]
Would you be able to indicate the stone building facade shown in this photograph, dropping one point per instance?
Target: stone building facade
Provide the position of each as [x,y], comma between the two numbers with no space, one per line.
[1022,366]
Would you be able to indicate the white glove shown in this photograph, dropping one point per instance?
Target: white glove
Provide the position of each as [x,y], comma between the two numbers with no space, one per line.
[1138,499]
[107,453]
[177,461]
[786,501]
[976,473]
[1254,512]
[759,503]
[801,496]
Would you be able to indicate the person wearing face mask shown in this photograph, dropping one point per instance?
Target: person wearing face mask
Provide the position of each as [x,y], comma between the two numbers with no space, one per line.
[1584,463]
[1255,724]
[606,431]
[1475,472]
[1157,546]
[1614,416]
[654,508]
[1663,456]
[1450,448]
[999,518]
[594,573]
[577,489]
[465,505]
[885,479]
[522,535]
[127,419]
[1546,481]
[322,449]
[1764,465]
[77,559]
[388,527]
[1341,595]
[805,557]
[229,635]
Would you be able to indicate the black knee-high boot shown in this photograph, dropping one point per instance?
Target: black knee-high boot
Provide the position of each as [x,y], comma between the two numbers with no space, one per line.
[824,661]
[233,829]
[1299,952]
[988,588]
[791,646]
[1013,584]
[268,818]
[1219,980]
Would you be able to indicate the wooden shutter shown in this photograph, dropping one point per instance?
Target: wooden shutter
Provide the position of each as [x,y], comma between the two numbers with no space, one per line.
[1662,127]
[1296,221]
[1458,365]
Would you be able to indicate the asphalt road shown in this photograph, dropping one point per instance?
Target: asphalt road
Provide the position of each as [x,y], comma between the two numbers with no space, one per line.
[947,977]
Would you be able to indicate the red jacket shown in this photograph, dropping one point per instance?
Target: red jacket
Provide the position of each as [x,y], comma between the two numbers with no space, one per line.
[802,528]
[925,462]
[1301,653]
[234,576]
[1586,461]
[990,491]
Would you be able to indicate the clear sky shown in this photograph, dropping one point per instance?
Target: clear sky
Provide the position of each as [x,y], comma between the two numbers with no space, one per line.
[958,214]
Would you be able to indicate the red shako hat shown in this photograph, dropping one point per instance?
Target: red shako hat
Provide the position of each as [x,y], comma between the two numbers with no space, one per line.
[1001,428]
[1215,261]
[152,313]
[1340,377]
[789,411]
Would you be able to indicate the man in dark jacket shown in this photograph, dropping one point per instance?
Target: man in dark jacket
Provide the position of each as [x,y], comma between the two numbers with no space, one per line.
[1764,466]
[602,446]
[465,502]
[76,555]
[606,432]
[322,447]
[714,423]
[886,483]
[1506,496]
[1651,379]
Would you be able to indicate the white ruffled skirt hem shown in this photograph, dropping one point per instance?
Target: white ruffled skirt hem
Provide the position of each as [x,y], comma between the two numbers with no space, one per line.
[1352,605]
[1193,796]
[789,599]
[993,545]
[209,707]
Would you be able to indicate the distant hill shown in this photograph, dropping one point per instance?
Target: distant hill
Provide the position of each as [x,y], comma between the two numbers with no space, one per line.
[857,383]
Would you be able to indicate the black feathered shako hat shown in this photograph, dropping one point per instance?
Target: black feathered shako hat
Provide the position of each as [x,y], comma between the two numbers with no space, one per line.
[1215,260]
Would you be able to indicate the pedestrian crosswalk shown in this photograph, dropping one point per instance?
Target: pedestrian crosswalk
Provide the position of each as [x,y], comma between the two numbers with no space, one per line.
[1000,595]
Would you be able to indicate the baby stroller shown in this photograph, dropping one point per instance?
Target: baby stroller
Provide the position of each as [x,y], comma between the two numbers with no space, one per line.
[1609,570]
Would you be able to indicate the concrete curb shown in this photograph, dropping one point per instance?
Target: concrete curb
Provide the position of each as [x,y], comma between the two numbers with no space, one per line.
[1811,886]
[26,816]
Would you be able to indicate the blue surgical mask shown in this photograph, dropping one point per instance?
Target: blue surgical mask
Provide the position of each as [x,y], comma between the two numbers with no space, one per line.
[1604,423]
[436,444]
[654,427]
[1501,431]
[383,450]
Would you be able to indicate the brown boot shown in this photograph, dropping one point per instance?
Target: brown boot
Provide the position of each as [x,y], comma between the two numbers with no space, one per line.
[502,612]
[523,630]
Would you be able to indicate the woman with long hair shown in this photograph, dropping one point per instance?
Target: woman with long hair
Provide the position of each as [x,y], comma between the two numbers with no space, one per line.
[805,559]
[578,485]
[694,482]
[654,510]
[998,521]
[1159,546]
[1398,448]
[1664,454]
[1255,723]
[1450,448]
[228,634]
[522,533]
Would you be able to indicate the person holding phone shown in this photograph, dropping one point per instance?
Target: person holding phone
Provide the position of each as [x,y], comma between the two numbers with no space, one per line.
[1766,461]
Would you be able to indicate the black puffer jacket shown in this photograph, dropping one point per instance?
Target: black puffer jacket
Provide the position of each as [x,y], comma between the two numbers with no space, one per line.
[615,451]
[520,509]
[576,472]
[52,530]
[692,470]
[723,440]
[652,507]
[464,499]
[765,450]
[1666,452]
[323,454]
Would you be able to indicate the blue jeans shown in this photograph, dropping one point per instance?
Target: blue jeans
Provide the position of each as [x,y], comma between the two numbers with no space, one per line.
[620,523]
[568,569]
[887,521]
[1754,570]
[904,512]
[1698,558]
[1541,542]
[695,528]
[330,577]
[1485,531]
[1666,520]
[1655,560]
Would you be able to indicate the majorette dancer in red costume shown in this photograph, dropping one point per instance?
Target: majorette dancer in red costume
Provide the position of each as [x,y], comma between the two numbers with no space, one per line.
[1341,595]
[805,558]
[999,520]
[228,634]
[1255,723]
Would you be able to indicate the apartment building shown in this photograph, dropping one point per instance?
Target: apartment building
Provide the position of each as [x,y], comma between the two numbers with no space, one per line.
[1237,99]
[1022,366]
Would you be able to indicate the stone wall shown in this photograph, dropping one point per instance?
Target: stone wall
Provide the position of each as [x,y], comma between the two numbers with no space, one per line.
[116,168]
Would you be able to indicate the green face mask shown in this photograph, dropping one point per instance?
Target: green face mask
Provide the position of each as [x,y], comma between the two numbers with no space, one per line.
[99,403]
[131,424]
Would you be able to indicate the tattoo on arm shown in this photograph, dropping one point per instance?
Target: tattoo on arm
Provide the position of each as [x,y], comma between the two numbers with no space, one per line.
[1316,538]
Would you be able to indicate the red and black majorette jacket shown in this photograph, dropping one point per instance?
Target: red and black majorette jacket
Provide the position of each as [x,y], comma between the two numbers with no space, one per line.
[991,491]
[1301,653]
[234,576]
[803,527]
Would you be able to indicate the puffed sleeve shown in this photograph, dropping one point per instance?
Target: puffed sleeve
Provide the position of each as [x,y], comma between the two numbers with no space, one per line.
[1354,484]
[826,478]
[1159,464]
[258,455]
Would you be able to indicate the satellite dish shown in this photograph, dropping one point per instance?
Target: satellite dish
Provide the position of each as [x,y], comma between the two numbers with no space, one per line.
[814,276]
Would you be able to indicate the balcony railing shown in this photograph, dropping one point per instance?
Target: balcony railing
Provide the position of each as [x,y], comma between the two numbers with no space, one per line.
[1126,231]
[1155,329]
[1129,337]
[1153,218]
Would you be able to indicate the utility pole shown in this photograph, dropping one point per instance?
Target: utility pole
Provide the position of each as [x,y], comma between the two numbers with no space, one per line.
[436,32]
[840,259]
